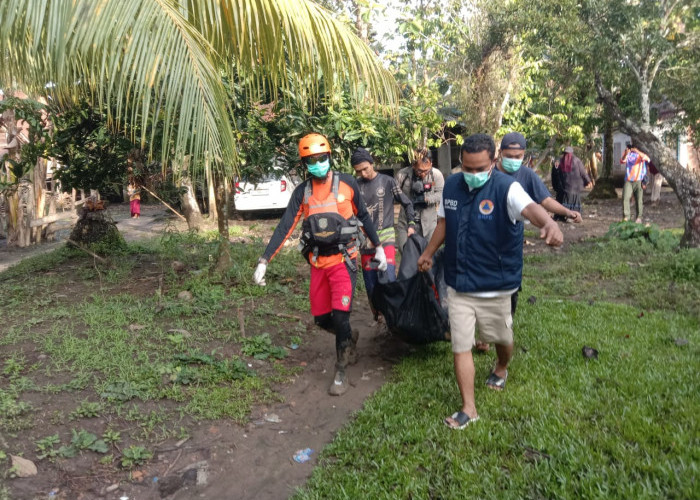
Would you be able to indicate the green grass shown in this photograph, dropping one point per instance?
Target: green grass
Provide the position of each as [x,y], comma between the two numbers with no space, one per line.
[125,352]
[622,426]
[634,271]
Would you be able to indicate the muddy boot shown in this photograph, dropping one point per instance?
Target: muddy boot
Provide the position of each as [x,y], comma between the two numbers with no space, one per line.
[340,384]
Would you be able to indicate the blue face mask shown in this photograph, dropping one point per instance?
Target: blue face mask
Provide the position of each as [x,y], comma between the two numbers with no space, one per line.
[319,169]
[511,165]
[475,181]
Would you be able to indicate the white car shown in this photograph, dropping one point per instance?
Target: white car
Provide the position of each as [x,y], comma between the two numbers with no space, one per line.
[271,193]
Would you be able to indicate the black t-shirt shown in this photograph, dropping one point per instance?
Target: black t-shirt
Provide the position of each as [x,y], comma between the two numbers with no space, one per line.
[379,194]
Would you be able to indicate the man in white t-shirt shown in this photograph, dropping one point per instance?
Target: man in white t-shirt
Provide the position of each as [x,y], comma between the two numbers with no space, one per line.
[480,220]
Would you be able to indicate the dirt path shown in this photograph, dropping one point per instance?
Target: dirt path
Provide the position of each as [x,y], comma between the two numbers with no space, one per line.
[256,461]
[154,219]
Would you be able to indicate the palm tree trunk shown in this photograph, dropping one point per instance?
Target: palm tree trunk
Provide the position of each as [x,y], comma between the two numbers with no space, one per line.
[188,200]
[224,260]
[211,188]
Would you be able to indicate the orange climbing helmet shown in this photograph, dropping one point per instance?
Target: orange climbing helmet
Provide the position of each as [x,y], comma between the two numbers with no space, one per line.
[313,144]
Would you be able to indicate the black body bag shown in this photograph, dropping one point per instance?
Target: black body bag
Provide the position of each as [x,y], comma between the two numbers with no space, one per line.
[411,305]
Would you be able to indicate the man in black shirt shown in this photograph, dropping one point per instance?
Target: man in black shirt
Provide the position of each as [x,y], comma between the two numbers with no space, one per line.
[379,193]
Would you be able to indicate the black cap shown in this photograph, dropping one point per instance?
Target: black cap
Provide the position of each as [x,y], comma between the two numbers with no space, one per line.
[360,155]
[513,140]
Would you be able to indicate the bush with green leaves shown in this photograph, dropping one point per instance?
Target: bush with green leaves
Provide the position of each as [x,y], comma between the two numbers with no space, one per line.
[627,230]
[135,455]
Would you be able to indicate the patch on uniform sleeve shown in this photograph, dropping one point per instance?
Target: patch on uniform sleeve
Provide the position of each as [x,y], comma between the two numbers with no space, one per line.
[345,300]
[486,207]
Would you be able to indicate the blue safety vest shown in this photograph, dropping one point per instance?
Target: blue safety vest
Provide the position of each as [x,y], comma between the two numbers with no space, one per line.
[483,248]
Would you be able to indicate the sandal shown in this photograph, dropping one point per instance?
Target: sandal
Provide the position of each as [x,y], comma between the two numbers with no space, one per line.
[495,382]
[462,420]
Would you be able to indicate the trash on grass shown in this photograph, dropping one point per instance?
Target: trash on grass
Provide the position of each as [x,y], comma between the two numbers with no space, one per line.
[589,352]
[302,456]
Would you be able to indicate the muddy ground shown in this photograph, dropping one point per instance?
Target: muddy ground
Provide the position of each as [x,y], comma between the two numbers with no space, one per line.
[255,461]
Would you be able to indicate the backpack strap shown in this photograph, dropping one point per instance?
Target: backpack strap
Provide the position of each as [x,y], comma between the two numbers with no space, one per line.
[307,192]
[336,184]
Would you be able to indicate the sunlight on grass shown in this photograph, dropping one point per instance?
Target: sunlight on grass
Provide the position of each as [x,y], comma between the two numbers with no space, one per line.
[623,426]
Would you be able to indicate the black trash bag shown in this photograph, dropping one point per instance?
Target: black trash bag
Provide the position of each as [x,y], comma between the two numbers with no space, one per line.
[412,250]
[410,305]
[415,245]
[411,309]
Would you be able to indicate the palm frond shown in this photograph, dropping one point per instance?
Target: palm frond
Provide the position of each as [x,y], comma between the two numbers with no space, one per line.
[143,56]
[270,37]
[157,61]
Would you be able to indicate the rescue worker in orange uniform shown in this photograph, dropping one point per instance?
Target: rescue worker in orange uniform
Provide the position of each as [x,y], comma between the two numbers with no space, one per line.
[334,216]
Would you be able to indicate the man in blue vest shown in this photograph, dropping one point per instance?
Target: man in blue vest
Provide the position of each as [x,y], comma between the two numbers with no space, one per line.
[510,162]
[480,222]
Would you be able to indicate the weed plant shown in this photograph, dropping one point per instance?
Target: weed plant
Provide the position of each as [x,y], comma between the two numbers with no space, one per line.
[130,352]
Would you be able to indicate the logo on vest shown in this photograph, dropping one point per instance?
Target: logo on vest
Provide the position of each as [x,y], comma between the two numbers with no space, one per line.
[380,192]
[450,204]
[486,207]
[323,223]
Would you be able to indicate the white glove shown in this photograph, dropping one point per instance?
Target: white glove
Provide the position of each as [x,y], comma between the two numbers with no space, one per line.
[380,258]
[259,274]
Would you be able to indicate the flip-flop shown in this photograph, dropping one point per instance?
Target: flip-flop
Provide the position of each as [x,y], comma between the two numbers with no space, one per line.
[496,382]
[462,419]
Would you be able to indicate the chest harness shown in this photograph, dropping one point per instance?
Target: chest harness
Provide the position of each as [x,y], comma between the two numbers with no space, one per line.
[325,231]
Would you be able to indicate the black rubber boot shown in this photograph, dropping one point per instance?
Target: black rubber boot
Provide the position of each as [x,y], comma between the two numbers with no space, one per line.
[352,348]
[340,384]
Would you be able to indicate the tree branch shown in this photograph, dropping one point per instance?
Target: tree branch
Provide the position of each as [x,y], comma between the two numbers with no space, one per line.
[633,68]
[607,98]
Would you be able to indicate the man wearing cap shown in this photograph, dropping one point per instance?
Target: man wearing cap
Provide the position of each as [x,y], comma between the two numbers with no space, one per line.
[510,162]
[331,205]
[423,185]
[480,223]
[379,193]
